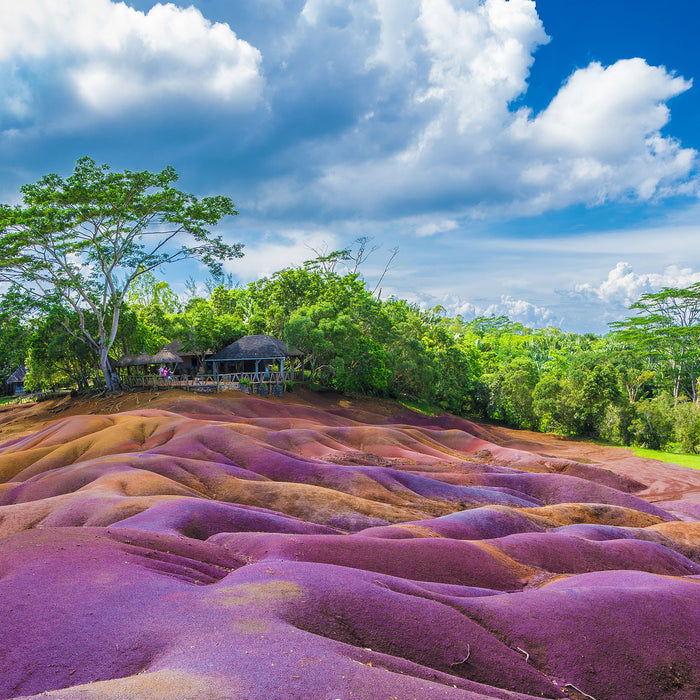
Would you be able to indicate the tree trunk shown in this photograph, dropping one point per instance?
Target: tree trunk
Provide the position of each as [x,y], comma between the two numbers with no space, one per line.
[112,380]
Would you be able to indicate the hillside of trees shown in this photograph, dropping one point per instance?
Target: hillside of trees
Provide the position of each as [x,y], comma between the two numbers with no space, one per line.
[77,263]
[636,385]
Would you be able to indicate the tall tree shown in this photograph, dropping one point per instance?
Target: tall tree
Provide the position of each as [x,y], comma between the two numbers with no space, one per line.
[14,334]
[667,327]
[79,243]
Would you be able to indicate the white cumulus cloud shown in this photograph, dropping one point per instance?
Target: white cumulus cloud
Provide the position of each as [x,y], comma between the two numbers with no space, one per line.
[600,137]
[624,286]
[432,227]
[465,64]
[113,58]
[519,310]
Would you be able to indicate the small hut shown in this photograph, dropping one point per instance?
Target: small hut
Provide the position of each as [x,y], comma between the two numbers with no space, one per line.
[189,359]
[166,357]
[162,357]
[16,380]
[143,359]
[259,358]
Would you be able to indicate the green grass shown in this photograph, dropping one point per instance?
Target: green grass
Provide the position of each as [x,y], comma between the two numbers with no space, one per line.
[692,461]
[7,399]
[425,407]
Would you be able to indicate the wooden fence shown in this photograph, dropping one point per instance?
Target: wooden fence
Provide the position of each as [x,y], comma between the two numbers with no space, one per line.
[242,381]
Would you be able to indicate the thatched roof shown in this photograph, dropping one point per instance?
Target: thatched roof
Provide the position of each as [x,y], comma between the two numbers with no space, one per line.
[165,356]
[179,349]
[17,377]
[125,361]
[256,347]
[143,359]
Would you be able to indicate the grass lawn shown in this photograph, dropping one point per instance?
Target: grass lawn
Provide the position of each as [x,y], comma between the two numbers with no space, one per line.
[692,461]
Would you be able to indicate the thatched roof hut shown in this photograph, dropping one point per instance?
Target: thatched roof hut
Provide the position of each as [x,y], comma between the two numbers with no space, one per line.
[125,361]
[253,355]
[255,347]
[166,357]
[16,379]
[162,357]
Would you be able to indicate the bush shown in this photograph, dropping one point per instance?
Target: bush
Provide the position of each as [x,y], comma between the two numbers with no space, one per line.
[687,427]
[654,425]
[617,423]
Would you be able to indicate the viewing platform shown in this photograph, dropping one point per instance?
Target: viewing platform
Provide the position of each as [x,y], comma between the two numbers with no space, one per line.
[261,382]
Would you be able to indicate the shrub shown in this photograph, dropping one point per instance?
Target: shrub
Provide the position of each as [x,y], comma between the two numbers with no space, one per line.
[687,426]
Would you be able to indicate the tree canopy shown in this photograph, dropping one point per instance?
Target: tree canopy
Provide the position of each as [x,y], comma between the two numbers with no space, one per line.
[76,245]
[667,327]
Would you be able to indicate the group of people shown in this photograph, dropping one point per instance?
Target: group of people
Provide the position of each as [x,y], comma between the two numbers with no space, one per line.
[165,372]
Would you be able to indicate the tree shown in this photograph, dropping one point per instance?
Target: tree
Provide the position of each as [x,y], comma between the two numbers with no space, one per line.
[14,334]
[78,244]
[668,329]
[512,386]
[577,401]
[203,327]
[56,358]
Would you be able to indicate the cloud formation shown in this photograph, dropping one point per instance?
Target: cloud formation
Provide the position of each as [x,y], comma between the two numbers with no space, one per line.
[111,58]
[412,121]
[270,253]
[403,107]
[515,309]
[375,106]
[624,286]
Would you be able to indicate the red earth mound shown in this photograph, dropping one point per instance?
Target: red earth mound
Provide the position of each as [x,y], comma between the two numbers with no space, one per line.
[174,546]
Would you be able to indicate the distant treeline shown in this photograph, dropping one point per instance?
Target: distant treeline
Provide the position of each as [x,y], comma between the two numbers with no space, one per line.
[636,385]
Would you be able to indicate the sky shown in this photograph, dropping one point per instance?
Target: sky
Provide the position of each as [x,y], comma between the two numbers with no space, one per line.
[533,159]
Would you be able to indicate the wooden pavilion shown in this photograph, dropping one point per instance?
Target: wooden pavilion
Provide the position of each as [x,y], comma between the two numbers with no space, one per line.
[256,359]
[258,362]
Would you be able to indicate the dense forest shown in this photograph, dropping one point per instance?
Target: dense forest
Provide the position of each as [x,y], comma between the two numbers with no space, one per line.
[636,385]
[77,263]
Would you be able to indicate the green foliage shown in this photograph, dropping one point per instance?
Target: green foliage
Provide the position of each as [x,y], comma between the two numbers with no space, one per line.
[667,329]
[55,358]
[512,387]
[202,327]
[78,244]
[653,426]
[14,334]
[687,426]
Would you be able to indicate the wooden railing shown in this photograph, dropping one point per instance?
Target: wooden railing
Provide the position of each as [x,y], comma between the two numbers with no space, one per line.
[209,382]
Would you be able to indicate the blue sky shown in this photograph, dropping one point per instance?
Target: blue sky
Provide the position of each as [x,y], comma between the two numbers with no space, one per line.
[538,159]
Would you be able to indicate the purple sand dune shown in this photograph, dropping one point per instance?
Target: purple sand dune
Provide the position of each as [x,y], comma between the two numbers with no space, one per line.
[613,634]
[440,560]
[560,488]
[197,520]
[559,553]
[243,548]
[476,524]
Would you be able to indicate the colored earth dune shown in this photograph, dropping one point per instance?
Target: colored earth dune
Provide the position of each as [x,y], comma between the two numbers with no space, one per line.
[322,548]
